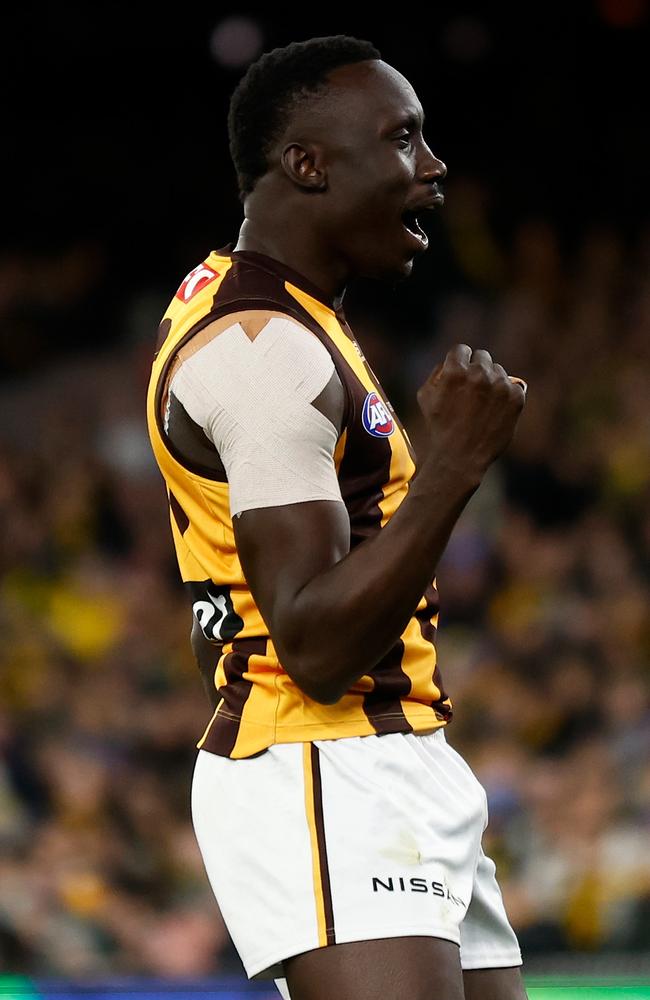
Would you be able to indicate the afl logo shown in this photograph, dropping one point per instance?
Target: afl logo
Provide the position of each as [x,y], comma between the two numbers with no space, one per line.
[376,417]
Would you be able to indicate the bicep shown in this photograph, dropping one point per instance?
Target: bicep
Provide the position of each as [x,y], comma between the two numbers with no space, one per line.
[281,549]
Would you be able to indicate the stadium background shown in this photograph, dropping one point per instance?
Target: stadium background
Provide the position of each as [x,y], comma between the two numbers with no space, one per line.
[117,181]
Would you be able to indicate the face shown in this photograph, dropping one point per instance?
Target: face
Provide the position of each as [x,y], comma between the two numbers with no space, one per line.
[380,172]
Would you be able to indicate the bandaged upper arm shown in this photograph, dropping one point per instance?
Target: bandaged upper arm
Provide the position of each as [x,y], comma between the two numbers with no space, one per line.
[253,396]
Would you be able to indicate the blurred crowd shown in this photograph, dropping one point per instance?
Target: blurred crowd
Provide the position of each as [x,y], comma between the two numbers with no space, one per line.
[544,639]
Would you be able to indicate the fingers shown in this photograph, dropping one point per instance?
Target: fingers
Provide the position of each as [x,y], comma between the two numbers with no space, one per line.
[458,356]
[483,359]
[462,363]
[462,357]
[515,380]
[519,381]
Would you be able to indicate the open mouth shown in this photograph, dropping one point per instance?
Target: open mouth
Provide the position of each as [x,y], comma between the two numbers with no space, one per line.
[412,226]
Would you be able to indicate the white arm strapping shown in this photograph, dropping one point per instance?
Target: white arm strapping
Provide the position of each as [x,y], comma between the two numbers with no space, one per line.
[253,400]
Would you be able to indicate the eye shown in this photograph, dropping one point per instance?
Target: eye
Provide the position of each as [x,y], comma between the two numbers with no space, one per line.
[404,140]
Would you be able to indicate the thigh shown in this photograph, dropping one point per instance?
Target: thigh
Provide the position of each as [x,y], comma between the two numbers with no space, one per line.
[487,941]
[494,984]
[251,826]
[408,968]
[401,828]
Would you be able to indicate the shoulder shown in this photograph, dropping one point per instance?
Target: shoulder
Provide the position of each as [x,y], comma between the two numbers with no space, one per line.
[255,353]
[250,333]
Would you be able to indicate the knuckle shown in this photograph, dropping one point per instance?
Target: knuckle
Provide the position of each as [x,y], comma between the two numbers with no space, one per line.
[483,356]
[457,376]
[457,356]
[478,374]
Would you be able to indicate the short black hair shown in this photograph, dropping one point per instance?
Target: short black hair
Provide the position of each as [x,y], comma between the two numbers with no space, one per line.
[270,90]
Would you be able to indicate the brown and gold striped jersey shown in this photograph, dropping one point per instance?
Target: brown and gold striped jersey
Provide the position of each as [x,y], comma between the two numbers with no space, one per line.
[256,703]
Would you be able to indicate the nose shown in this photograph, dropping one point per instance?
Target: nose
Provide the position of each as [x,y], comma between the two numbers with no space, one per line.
[431,168]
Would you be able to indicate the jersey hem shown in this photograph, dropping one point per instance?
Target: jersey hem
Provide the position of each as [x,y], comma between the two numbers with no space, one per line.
[256,737]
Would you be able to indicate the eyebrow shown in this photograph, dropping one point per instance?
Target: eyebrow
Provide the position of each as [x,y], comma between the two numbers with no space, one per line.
[412,119]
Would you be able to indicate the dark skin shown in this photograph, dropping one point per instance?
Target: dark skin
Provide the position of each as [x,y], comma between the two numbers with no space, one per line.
[331,207]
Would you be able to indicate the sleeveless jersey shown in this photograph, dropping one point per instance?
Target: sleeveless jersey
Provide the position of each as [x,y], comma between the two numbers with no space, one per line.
[256,703]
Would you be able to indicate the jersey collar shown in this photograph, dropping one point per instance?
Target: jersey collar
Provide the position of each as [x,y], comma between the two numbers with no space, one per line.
[286,272]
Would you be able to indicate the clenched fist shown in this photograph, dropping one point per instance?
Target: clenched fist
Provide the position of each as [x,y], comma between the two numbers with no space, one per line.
[471,407]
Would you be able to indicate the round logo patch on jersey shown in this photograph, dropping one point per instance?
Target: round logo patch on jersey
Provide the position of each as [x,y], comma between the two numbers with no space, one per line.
[376,416]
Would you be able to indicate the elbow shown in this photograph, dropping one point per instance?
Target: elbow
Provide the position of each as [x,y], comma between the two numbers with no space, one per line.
[326,695]
[323,690]
[315,682]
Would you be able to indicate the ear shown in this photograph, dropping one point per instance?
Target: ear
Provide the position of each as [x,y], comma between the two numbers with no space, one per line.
[305,166]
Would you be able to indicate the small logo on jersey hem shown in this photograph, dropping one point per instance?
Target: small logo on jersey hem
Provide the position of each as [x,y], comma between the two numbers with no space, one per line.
[376,416]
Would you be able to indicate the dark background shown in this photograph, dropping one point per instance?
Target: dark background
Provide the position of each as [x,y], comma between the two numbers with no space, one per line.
[115,141]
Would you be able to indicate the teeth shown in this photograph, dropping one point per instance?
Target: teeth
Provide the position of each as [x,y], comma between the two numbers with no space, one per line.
[411,223]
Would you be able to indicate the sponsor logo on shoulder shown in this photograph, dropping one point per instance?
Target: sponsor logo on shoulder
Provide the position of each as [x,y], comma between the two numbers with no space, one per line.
[376,416]
[197,279]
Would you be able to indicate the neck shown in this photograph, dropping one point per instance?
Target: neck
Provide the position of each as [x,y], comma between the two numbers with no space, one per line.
[294,245]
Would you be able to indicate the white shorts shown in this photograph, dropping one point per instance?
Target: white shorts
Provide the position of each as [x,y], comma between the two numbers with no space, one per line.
[313,844]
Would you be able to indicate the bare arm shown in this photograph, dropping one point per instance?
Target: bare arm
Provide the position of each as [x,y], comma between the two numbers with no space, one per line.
[333,613]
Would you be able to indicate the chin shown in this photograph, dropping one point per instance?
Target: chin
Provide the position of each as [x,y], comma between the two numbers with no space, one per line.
[394,270]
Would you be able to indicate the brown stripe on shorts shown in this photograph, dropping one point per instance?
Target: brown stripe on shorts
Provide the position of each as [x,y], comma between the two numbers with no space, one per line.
[322,847]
